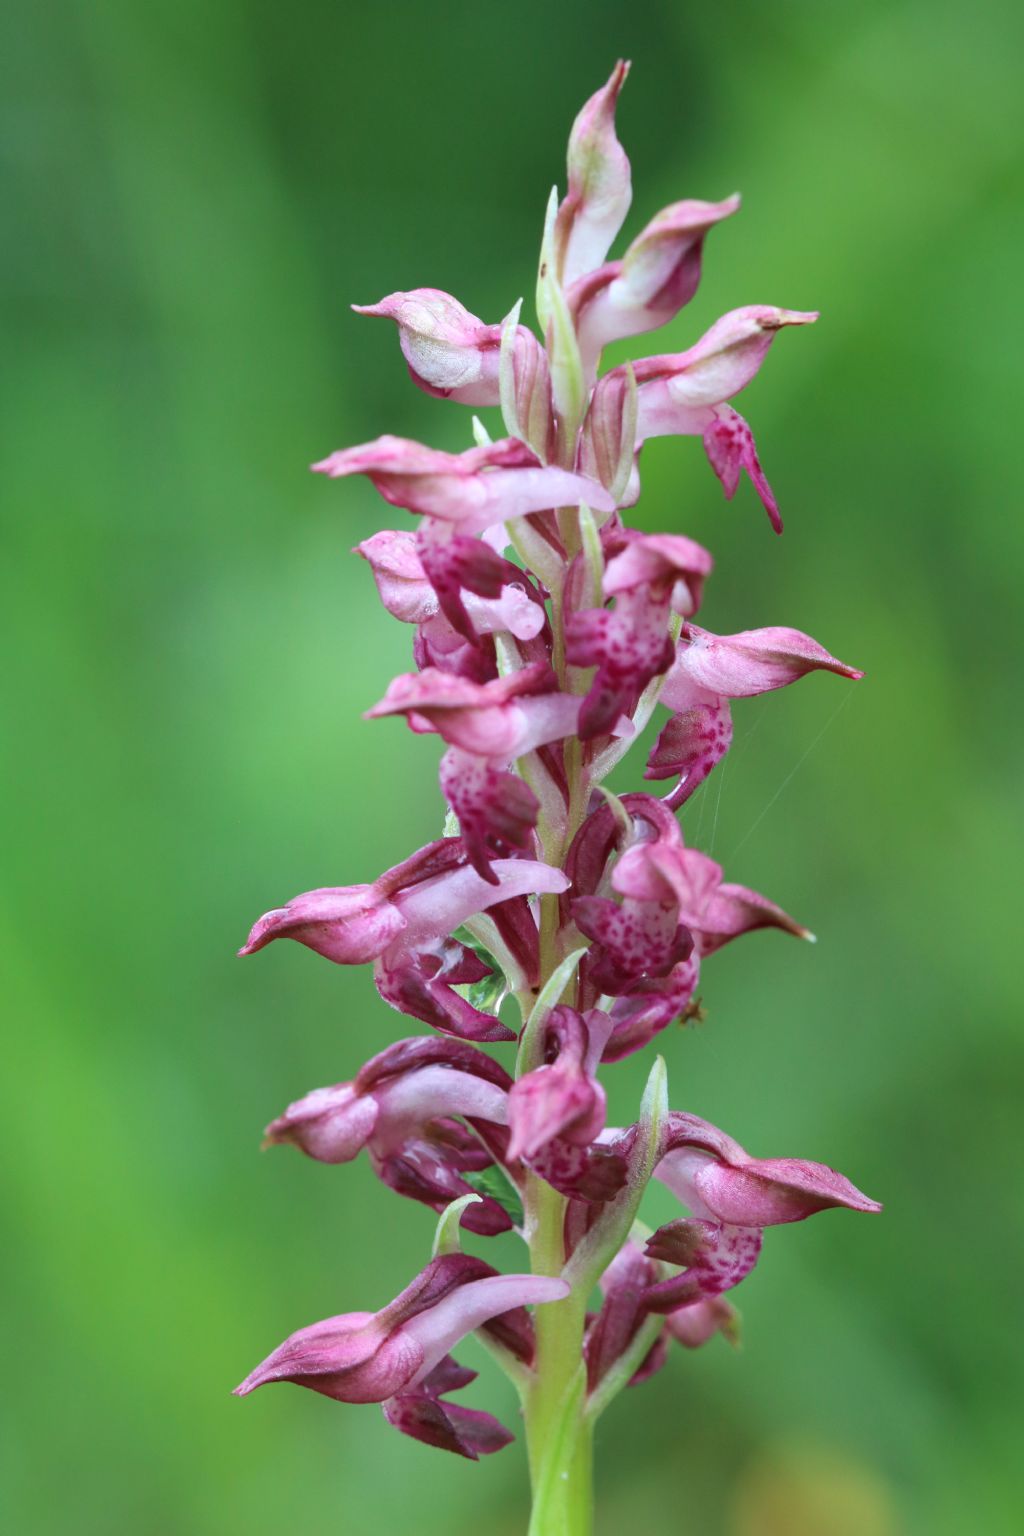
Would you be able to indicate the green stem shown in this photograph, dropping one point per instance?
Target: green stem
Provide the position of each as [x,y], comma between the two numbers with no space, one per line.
[558,1430]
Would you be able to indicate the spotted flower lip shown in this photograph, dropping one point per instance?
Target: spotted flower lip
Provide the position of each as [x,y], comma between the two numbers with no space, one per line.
[707,672]
[686,393]
[562,1097]
[647,575]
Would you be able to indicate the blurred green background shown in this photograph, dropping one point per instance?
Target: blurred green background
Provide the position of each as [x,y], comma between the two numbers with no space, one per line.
[196,191]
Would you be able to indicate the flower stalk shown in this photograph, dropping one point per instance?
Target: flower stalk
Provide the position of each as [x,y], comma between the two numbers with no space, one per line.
[546,633]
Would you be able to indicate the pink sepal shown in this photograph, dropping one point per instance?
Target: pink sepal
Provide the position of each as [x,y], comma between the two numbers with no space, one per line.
[600,187]
[449,352]
[658,275]
[331,1125]
[715,369]
[715,1177]
[734,910]
[367,1357]
[475,489]
[692,743]
[496,810]
[741,666]
[347,924]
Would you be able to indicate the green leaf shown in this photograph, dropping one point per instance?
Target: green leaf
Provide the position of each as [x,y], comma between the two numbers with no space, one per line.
[447,1236]
[489,993]
[495,1182]
[547,998]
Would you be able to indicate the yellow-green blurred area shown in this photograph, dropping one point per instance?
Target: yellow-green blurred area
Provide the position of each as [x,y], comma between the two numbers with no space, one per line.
[195,192]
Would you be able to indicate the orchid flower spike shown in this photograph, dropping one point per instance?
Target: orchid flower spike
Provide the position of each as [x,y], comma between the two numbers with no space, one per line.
[559,923]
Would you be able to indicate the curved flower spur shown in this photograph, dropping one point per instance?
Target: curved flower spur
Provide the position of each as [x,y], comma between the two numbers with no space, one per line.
[546,633]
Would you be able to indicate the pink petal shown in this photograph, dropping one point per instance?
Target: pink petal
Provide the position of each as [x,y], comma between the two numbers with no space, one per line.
[729,445]
[668,872]
[561,1098]
[690,746]
[694,1325]
[437,1329]
[405,1056]
[407,1103]
[440,905]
